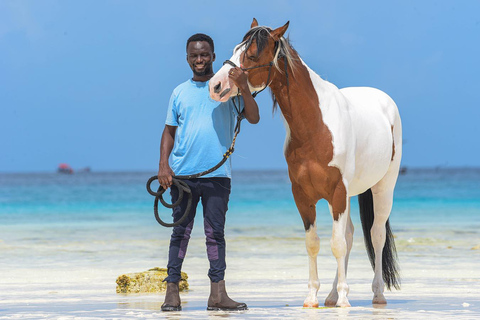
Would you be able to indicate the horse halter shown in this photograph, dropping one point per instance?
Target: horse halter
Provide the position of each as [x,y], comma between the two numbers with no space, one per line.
[269,65]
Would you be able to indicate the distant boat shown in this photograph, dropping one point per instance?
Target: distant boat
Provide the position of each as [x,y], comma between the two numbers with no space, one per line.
[64,168]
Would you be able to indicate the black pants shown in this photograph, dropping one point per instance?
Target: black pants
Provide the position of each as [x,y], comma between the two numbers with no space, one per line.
[214,194]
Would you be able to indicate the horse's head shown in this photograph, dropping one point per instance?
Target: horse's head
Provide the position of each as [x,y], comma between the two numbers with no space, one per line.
[257,53]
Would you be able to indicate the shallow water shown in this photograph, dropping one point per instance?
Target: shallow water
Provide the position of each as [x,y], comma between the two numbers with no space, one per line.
[65,239]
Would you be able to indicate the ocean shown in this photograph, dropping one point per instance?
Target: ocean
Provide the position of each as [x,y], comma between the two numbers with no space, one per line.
[65,238]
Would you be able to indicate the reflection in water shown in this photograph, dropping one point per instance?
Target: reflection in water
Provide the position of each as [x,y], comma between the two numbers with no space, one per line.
[142,305]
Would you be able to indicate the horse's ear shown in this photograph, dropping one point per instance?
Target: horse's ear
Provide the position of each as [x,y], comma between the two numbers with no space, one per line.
[254,23]
[279,32]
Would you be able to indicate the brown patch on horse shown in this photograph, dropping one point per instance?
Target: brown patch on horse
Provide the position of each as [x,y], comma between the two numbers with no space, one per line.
[310,149]
[339,204]
[393,145]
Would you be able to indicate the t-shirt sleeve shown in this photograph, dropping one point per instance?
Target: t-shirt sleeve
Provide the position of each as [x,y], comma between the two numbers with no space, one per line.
[172,112]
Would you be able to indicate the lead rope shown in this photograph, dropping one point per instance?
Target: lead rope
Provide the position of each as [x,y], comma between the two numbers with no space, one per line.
[182,186]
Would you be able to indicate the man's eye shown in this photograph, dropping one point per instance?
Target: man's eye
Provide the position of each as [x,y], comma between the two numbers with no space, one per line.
[204,55]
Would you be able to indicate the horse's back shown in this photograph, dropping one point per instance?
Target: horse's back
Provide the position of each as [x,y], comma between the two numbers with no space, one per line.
[377,128]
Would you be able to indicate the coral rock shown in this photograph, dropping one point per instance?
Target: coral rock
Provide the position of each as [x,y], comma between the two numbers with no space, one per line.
[147,281]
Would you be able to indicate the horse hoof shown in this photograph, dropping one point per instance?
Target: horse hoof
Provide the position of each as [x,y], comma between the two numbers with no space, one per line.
[343,304]
[313,304]
[379,299]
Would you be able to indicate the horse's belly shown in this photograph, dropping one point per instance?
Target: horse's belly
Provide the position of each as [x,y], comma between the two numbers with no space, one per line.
[366,177]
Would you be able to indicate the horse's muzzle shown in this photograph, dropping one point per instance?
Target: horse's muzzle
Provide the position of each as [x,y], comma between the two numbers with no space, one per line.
[224,92]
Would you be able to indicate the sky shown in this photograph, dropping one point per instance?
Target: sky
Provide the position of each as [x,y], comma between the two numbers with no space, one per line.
[88,82]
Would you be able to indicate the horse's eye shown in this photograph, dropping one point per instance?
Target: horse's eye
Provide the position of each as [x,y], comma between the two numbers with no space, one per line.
[253,58]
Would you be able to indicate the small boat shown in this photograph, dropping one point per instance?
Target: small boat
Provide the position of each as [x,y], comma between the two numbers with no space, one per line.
[64,168]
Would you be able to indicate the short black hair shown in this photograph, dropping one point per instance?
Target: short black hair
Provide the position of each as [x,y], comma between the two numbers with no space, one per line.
[201,37]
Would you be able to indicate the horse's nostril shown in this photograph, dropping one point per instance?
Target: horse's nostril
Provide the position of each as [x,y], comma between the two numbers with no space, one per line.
[217,88]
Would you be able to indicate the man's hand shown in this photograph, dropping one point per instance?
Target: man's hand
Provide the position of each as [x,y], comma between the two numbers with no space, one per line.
[240,78]
[165,176]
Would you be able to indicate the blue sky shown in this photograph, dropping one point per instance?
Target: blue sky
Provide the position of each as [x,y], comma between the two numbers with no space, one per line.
[88,82]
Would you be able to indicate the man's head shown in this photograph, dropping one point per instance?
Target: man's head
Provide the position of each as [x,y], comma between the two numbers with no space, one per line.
[200,54]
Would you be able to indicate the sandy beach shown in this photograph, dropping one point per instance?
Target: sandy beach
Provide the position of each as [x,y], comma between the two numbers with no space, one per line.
[268,273]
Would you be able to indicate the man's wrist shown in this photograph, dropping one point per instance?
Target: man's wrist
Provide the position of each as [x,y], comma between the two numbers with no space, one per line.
[244,89]
[163,164]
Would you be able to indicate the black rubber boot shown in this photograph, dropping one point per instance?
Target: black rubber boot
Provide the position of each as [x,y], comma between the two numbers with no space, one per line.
[219,299]
[172,298]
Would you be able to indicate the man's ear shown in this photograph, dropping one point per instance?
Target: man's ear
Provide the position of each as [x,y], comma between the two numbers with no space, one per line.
[213,57]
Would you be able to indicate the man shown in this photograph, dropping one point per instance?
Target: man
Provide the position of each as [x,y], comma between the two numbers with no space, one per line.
[199,130]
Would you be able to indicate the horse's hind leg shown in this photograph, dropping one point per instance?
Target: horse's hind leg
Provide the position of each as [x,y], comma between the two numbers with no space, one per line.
[306,207]
[332,298]
[382,194]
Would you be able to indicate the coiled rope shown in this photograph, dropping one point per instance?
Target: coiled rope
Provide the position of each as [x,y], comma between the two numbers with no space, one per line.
[182,186]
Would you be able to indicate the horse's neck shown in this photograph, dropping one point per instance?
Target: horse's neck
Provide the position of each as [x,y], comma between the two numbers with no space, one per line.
[300,100]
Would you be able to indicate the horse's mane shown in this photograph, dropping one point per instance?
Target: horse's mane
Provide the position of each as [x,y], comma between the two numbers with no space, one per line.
[283,49]
[261,34]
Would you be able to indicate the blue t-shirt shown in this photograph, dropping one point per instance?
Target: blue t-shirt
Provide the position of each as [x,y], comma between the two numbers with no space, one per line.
[204,130]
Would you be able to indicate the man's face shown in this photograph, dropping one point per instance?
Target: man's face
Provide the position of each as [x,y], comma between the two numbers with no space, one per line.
[200,57]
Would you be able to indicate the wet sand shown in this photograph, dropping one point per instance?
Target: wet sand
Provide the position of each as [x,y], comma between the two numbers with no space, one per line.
[75,279]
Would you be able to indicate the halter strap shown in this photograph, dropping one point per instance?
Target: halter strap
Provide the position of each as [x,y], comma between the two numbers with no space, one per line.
[256,67]
[246,69]
[230,63]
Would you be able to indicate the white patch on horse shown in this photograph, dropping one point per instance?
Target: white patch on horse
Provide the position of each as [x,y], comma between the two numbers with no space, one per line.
[287,134]
[237,52]
[359,120]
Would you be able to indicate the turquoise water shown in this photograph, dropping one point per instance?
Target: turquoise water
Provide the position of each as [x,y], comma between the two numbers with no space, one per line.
[430,206]
[423,198]
[65,238]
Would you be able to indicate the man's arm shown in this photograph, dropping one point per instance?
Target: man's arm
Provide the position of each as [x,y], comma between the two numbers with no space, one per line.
[165,173]
[240,77]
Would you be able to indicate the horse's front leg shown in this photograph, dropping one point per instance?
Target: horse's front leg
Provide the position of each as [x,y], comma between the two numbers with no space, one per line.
[331,300]
[339,208]
[306,207]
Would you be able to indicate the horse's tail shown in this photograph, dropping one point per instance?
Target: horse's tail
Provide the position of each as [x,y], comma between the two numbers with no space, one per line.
[390,270]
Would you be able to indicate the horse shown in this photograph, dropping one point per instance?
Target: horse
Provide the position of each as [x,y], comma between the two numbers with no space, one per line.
[339,143]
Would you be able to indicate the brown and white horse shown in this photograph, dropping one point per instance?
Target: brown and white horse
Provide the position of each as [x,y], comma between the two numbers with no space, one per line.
[340,143]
